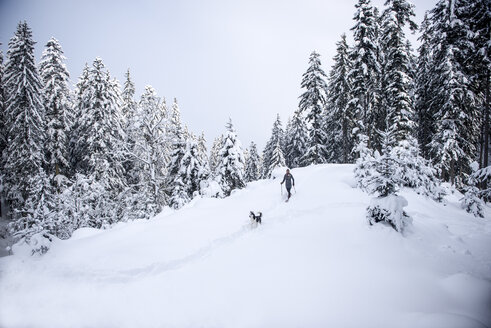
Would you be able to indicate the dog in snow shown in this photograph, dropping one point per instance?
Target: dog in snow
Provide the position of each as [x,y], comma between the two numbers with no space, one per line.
[255,217]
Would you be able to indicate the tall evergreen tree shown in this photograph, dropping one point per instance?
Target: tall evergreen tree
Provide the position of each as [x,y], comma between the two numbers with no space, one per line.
[340,118]
[313,102]
[397,79]
[457,120]
[100,139]
[58,107]
[277,158]
[296,141]
[425,111]
[176,186]
[252,164]
[3,130]
[277,137]
[230,170]
[24,117]
[148,151]
[364,73]
[214,154]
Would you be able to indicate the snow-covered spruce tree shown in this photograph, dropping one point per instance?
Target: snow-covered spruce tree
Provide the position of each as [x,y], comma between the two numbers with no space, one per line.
[175,127]
[296,139]
[3,130]
[483,178]
[425,111]
[471,201]
[313,102]
[203,157]
[416,172]
[131,124]
[214,154]
[341,119]
[364,73]
[100,139]
[176,188]
[147,152]
[277,137]
[457,120]
[24,119]
[365,163]
[252,164]
[397,80]
[57,104]
[277,159]
[387,207]
[193,170]
[80,106]
[479,14]
[230,170]
[36,215]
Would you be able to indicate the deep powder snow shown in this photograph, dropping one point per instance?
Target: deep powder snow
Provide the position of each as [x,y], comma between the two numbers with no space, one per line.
[314,262]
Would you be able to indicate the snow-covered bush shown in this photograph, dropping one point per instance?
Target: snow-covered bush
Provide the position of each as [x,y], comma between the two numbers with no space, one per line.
[471,201]
[37,244]
[364,168]
[278,173]
[389,209]
[383,180]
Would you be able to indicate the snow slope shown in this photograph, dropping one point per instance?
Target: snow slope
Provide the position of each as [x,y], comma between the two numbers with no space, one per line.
[313,263]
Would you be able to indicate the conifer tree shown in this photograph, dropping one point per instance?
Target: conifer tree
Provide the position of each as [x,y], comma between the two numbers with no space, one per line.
[230,170]
[312,102]
[340,118]
[296,141]
[277,137]
[252,167]
[277,158]
[214,154]
[425,111]
[57,103]
[364,73]
[100,139]
[176,186]
[24,118]
[457,120]
[3,130]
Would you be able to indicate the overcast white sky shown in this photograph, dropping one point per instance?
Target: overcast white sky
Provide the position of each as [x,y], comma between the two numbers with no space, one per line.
[220,58]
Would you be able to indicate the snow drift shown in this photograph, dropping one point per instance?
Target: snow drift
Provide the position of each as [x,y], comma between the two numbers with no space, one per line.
[314,262]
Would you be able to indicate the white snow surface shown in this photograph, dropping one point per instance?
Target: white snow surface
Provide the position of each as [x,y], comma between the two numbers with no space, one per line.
[314,262]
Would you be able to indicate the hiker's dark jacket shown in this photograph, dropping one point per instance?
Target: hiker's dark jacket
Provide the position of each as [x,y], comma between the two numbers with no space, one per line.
[288,178]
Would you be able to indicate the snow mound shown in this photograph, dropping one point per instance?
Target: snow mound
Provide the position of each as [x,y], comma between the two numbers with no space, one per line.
[313,262]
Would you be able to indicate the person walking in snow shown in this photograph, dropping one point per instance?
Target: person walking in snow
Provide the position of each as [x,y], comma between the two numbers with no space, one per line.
[288,178]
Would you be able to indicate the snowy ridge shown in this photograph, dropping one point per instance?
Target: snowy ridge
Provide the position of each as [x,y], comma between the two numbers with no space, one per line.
[314,262]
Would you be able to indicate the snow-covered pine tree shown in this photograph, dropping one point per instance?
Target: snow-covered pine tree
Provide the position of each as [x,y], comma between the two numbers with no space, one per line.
[24,118]
[252,164]
[36,215]
[147,152]
[313,102]
[364,73]
[193,171]
[397,80]
[478,12]
[214,154]
[230,170]
[131,124]
[176,188]
[365,163]
[387,207]
[3,130]
[203,157]
[425,111]
[277,137]
[79,109]
[277,159]
[175,126]
[340,118]
[457,120]
[59,117]
[100,139]
[296,139]
[471,201]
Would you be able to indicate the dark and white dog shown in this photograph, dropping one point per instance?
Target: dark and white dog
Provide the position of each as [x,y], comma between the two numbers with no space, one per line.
[255,217]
